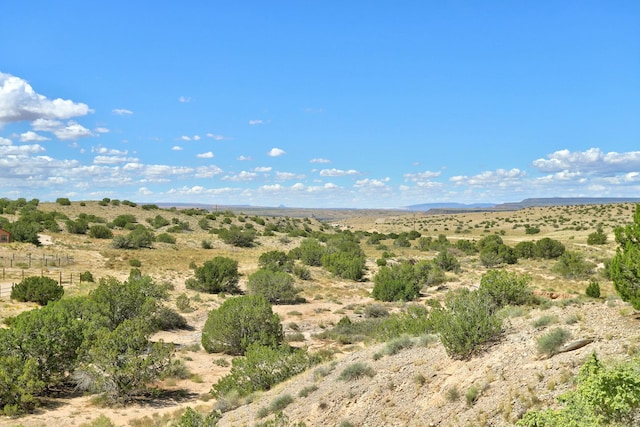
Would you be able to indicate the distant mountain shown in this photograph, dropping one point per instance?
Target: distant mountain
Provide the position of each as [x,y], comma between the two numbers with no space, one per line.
[449,205]
[565,201]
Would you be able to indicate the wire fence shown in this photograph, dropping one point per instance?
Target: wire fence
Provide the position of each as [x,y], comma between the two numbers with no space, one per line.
[11,276]
[42,260]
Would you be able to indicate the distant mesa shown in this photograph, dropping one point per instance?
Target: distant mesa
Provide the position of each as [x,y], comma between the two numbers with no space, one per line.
[448,208]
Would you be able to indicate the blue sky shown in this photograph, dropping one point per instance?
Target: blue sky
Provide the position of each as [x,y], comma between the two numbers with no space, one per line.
[364,104]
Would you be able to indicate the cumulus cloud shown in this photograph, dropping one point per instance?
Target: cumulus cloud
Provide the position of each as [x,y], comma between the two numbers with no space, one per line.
[101,130]
[208,171]
[338,172]
[112,160]
[121,112]
[20,150]
[499,176]
[263,169]
[256,122]
[207,155]
[19,102]
[591,161]
[372,183]
[177,148]
[184,99]
[286,176]
[242,176]
[319,160]
[275,152]
[5,141]
[69,131]
[31,136]
[421,176]
[109,151]
[244,158]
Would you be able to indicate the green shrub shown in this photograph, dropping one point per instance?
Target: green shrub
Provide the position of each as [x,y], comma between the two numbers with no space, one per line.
[472,395]
[100,231]
[261,368]
[396,283]
[625,265]
[506,288]
[468,320]
[239,322]
[552,341]
[447,261]
[276,286]
[36,289]
[238,237]
[166,238]
[604,396]
[86,277]
[572,265]
[219,274]
[192,418]
[183,304]
[397,344]
[166,319]
[548,248]
[543,321]
[593,289]
[375,311]
[307,390]
[275,261]
[598,237]
[135,263]
[77,227]
[63,201]
[355,371]
[301,272]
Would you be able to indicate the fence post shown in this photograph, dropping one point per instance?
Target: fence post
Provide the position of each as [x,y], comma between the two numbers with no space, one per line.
[60,277]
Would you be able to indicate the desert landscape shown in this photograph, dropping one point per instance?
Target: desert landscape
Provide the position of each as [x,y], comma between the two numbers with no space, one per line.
[409,380]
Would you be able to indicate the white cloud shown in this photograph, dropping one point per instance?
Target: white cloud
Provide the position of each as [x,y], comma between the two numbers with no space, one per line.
[121,112]
[371,183]
[421,176]
[286,176]
[31,136]
[207,155]
[501,177]
[19,102]
[109,151]
[256,122]
[185,138]
[242,176]
[244,158]
[196,137]
[263,169]
[5,141]
[208,171]
[20,150]
[144,191]
[591,161]
[112,160]
[177,148]
[319,160]
[101,130]
[217,137]
[275,152]
[184,99]
[72,131]
[338,172]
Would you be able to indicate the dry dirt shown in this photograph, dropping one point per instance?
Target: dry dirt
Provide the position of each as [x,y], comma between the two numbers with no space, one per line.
[411,388]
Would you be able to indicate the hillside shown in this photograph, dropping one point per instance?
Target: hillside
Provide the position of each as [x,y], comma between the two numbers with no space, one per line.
[415,384]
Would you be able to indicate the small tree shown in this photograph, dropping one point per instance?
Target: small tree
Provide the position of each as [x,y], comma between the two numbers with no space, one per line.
[311,252]
[275,261]
[625,266]
[468,320]
[276,286]
[37,289]
[593,290]
[219,274]
[505,287]
[598,237]
[396,283]
[100,231]
[572,265]
[239,322]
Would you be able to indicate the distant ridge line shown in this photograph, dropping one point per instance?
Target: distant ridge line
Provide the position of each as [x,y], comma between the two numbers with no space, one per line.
[448,208]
